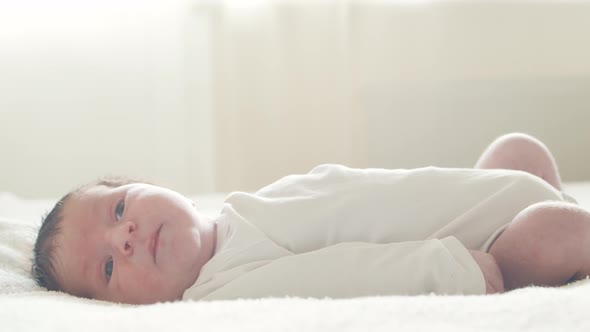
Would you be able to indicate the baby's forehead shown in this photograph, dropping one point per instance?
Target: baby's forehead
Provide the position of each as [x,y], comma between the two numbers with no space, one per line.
[68,267]
[80,196]
[82,200]
[86,200]
[94,191]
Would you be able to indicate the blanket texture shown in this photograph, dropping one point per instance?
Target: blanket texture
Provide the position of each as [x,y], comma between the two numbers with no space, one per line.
[530,309]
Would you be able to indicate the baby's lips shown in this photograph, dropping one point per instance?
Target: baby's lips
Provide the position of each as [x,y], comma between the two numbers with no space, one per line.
[154,242]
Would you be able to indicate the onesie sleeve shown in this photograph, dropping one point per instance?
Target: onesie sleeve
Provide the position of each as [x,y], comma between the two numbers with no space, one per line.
[364,269]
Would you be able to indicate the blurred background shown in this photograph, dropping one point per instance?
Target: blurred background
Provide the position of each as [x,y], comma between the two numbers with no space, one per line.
[222,95]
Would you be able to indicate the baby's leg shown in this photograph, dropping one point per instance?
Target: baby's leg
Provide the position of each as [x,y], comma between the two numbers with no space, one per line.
[547,244]
[521,152]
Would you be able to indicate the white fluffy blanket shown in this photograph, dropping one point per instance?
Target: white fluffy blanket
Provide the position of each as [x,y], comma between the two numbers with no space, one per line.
[25,307]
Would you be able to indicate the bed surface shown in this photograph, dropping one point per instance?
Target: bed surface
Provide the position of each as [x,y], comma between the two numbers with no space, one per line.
[25,307]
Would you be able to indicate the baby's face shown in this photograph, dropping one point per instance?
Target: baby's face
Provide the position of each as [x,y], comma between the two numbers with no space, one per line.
[136,243]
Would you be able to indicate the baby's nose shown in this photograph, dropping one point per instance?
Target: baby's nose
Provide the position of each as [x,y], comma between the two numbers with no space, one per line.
[123,237]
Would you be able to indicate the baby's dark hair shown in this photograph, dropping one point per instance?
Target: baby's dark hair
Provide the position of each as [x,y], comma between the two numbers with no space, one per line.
[43,269]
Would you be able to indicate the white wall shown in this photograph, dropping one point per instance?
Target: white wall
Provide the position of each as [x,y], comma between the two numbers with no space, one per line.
[396,83]
[93,88]
[224,95]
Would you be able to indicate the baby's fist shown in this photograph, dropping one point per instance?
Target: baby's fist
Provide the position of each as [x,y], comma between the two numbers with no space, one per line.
[491,271]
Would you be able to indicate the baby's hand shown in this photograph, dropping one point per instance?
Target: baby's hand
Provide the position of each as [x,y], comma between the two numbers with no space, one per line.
[491,271]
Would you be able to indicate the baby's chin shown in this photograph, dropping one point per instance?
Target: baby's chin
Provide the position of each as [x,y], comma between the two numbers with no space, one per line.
[175,290]
[177,280]
[151,296]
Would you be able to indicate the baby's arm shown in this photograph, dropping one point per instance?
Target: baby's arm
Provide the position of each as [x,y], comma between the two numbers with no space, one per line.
[490,270]
[355,269]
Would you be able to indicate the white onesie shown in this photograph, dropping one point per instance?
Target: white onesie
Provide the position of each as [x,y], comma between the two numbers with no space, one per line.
[341,232]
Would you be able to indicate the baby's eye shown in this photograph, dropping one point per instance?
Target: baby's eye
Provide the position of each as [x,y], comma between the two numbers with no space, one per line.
[108,269]
[119,209]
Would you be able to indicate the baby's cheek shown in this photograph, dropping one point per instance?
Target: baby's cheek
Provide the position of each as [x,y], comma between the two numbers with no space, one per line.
[150,280]
[150,288]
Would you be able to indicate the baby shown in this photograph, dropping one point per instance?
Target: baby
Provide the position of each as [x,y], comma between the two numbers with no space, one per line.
[335,232]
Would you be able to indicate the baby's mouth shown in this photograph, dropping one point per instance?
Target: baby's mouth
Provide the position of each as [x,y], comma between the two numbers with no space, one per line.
[155,242]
